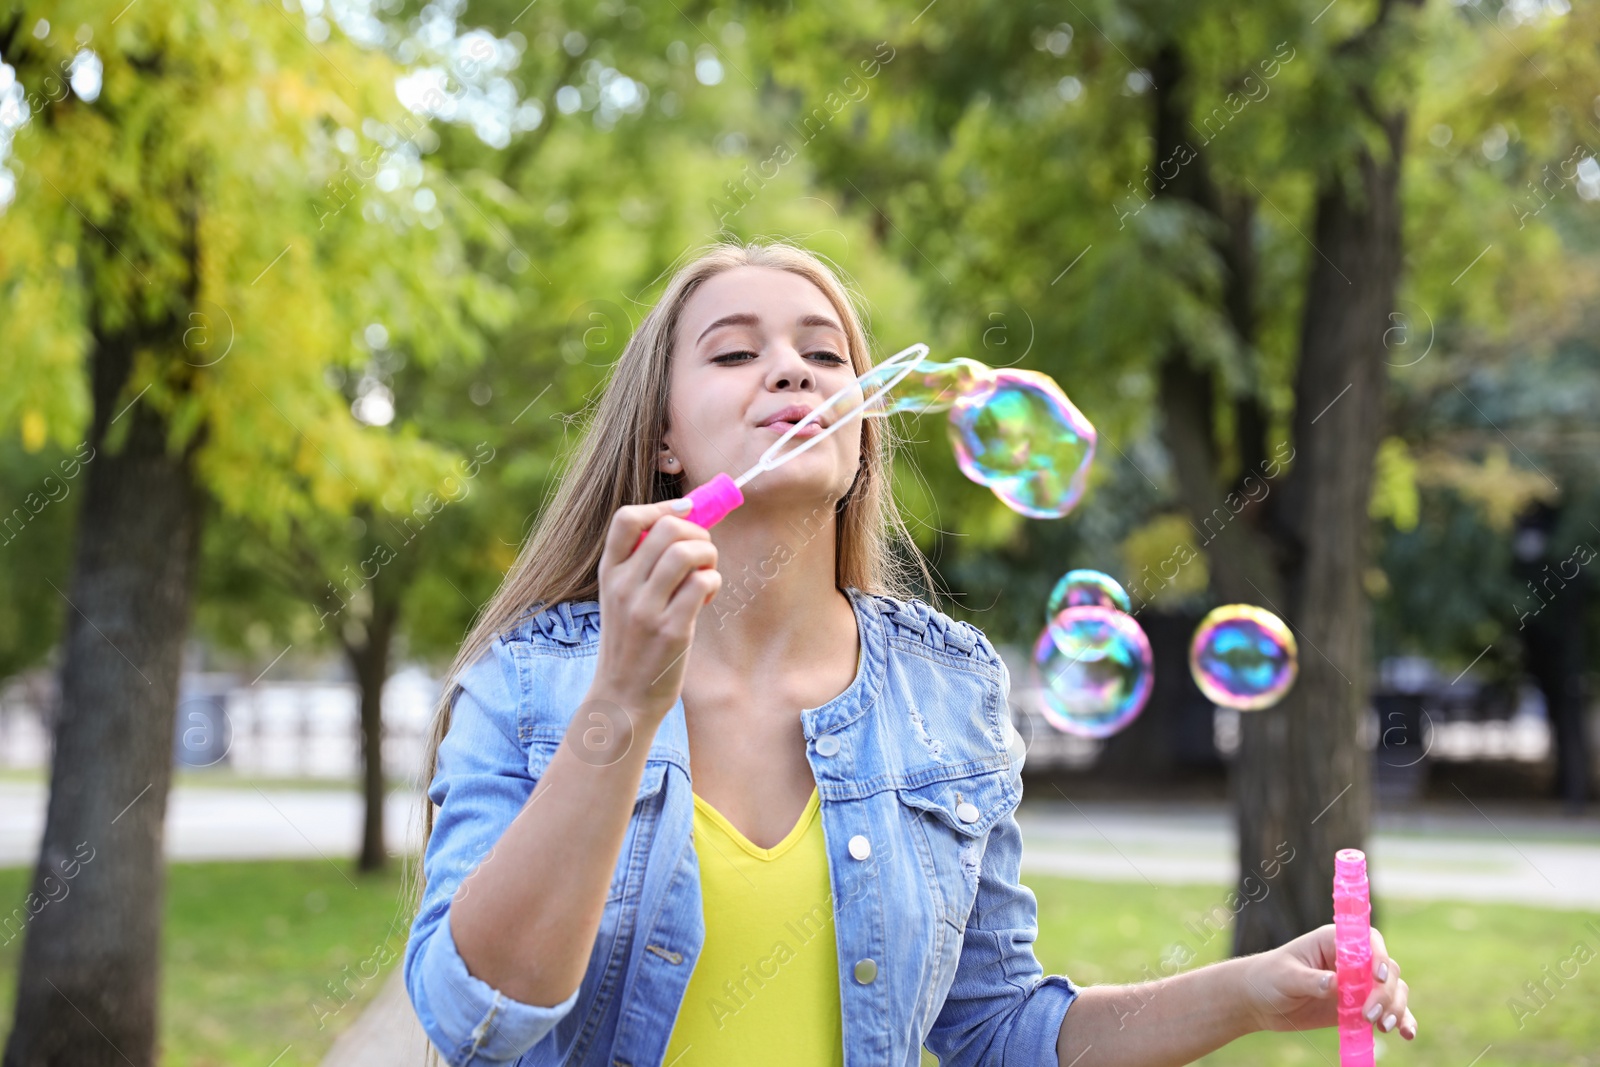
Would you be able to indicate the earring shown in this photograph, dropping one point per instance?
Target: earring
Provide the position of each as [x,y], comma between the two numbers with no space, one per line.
[672,461]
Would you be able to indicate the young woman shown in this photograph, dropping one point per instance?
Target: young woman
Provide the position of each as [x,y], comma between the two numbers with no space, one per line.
[732,796]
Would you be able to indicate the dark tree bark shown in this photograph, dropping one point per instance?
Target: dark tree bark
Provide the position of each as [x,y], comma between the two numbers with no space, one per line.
[1554,640]
[1173,736]
[87,990]
[369,658]
[1301,779]
[1302,775]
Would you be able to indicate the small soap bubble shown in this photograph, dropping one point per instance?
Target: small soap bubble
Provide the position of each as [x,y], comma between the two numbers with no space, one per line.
[1026,441]
[931,386]
[1086,588]
[1095,668]
[1243,657]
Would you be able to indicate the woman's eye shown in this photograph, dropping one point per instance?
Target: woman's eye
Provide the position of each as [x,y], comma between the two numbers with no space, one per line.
[822,356]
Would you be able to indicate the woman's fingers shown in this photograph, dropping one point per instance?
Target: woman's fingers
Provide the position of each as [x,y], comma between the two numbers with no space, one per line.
[1386,1004]
[1408,1026]
[650,551]
[693,593]
[674,563]
[626,526]
[665,532]
[1380,951]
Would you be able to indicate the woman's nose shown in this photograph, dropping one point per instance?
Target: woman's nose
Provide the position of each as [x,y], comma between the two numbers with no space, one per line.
[792,372]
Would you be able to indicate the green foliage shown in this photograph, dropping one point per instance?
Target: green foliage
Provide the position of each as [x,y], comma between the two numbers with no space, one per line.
[42,490]
[186,215]
[984,174]
[1006,152]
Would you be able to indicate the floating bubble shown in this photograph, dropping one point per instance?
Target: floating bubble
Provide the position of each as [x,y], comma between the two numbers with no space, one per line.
[1026,441]
[1095,668]
[931,386]
[1086,588]
[1243,657]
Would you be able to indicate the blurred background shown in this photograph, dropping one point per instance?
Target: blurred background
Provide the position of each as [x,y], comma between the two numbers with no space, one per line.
[302,304]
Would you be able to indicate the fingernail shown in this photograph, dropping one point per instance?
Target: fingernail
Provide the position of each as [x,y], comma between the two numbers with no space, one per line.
[1327,980]
[1372,1012]
[683,505]
[1383,971]
[1388,1022]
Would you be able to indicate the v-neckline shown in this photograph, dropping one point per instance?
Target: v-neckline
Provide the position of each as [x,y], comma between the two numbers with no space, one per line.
[789,840]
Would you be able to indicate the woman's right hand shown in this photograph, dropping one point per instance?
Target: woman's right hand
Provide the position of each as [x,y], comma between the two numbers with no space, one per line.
[650,597]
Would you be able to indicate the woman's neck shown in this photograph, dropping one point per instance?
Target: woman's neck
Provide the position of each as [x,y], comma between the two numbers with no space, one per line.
[779,588]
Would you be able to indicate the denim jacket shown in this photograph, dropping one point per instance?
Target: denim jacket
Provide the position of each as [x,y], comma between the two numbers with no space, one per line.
[918,756]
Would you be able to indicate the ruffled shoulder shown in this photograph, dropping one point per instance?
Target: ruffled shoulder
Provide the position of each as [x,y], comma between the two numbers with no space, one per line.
[917,621]
[571,622]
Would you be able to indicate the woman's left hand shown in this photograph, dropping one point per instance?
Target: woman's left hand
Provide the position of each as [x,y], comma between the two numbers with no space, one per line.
[1294,987]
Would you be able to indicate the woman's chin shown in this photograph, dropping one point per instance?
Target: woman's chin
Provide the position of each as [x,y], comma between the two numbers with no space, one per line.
[796,488]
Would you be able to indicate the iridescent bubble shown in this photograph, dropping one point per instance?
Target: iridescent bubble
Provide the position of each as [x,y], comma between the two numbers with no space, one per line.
[1094,666]
[930,386]
[1243,657]
[1086,588]
[1026,441]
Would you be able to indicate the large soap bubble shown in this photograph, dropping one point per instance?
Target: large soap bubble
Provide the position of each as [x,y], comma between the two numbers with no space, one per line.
[1095,668]
[1086,588]
[930,386]
[1243,657]
[1026,441]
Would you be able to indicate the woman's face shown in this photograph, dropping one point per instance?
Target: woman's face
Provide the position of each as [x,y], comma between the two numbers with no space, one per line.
[757,348]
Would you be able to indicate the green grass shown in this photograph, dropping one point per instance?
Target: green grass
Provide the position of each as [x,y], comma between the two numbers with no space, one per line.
[1463,963]
[250,947]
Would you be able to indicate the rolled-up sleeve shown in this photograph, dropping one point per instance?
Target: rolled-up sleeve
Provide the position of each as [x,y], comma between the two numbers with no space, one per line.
[480,783]
[1002,1009]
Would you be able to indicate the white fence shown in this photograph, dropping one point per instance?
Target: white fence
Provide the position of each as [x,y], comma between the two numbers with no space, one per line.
[307,729]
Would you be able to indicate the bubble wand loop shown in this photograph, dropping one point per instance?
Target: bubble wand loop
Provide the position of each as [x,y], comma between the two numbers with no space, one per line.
[716,498]
[1352,921]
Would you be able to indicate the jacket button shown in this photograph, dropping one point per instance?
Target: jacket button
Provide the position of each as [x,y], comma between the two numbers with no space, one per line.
[967,811]
[866,970]
[827,745]
[860,847]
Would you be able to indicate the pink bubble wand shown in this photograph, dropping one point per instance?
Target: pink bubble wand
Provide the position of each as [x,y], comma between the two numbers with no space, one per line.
[715,499]
[1352,924]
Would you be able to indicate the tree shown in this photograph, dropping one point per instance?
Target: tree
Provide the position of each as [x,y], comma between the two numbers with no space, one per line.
[1205,211]
[179,275]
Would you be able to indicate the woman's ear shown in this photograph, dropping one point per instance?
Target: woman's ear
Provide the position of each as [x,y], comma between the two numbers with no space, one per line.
[666,462]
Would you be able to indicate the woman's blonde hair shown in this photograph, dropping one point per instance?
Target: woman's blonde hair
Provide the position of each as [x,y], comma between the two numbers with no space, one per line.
[615,465]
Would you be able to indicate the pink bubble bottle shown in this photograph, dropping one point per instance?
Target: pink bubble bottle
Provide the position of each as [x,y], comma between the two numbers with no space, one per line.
[1352,921]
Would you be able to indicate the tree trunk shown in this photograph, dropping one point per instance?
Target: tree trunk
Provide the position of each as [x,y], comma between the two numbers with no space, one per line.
[370,660]
[87,988]
[1173,737]
[1301,780]
[1554,644]
[1302,776]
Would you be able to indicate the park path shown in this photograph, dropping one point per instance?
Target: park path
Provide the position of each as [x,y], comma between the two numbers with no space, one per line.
[1479,854]
[386,1034]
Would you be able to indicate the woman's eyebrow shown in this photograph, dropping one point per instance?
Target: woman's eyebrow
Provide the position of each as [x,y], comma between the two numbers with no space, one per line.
[746,318]
[741,318]
[821,320]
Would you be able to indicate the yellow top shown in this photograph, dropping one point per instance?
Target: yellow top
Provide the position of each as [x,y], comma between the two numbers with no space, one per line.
[766,987]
